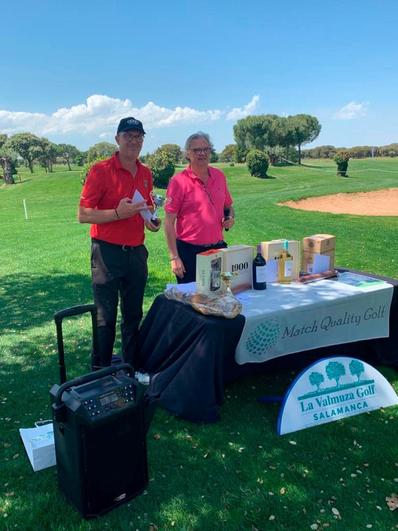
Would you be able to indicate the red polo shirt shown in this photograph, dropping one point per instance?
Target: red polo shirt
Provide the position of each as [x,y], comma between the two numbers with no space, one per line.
[106,184]
[199,207]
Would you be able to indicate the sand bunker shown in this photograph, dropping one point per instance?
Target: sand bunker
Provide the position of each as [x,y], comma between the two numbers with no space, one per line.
[378,203]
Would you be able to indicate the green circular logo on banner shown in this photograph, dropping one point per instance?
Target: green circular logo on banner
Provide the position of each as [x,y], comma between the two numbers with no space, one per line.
[263,337]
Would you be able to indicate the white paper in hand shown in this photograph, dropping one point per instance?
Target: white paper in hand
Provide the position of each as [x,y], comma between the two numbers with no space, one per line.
[137,198]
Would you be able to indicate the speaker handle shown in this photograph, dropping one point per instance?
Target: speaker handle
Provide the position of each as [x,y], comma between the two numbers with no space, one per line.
[86,378]
[69,312]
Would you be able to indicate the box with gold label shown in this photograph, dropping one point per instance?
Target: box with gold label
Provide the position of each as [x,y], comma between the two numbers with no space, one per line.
[319,243]
[208,271]
[272,249]
[238,259]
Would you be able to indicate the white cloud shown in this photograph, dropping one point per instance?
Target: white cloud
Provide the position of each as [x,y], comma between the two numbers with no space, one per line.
[352,110]
[100,114]
[241,112]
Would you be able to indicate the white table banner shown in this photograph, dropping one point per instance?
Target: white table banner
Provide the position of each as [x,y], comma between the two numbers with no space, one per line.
[288,318]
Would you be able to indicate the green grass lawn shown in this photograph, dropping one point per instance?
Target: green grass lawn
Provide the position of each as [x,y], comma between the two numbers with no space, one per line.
[236,474]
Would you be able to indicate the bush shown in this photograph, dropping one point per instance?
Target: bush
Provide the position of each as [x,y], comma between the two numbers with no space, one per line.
[87,167]
[162,166]
[257,163]
[341,159]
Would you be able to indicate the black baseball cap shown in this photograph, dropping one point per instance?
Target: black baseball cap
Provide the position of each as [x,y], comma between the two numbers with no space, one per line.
[130,124]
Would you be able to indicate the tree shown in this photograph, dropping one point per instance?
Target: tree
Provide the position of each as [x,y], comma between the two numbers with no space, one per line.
[316,378]
[100,151]
[257,163]
[68,154]
[335,371]
[356,368]
[27,146]
[7,160]
[341,159]
[228,153]
[80,158]
[302,128]
[162,167]
[270,130]
[174,151]
[213,156]
[46,153]
[257,132]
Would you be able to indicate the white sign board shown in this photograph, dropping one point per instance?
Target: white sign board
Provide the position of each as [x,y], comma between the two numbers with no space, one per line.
[332,389]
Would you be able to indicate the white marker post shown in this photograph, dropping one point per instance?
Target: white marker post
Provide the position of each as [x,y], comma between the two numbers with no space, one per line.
[25,209]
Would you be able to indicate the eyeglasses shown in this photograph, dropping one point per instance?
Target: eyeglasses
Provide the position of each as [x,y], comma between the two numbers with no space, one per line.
[201,150]
[137,137]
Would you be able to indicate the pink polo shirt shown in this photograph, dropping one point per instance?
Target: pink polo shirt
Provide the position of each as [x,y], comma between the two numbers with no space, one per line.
[199,207]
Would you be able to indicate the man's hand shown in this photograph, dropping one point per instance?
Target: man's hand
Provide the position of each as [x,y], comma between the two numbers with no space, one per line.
[127,209]
[178,267]
[151,226]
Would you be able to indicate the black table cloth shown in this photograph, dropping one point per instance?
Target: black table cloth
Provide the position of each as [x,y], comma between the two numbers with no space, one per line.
[192,356]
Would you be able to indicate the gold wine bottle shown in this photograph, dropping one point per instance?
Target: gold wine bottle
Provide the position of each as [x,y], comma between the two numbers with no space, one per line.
[285,265]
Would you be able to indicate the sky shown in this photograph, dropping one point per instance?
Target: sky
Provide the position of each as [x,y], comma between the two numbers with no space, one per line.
[69,71]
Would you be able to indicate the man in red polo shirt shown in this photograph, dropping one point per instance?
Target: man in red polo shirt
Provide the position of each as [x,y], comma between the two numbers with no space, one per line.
[118,254]
[198,208]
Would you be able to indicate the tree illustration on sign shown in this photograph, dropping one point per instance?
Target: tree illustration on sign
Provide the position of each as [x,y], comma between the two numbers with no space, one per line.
[356,368]
[316,378]
[335,371]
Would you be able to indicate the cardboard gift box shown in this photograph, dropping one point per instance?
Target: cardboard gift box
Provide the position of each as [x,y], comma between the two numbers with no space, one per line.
[208,271]
[272,249]
[319,243]
[238,259]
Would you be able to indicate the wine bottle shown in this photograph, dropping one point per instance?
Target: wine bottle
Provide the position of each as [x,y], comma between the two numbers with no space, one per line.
[259,270]
[285,264]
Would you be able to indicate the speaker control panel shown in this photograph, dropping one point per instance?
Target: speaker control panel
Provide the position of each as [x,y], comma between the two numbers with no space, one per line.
[99,397]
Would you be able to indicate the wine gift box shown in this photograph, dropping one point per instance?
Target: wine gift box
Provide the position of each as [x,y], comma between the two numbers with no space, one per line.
[272,249]
[319,243]
[238,259]
[208,271]
[323,244]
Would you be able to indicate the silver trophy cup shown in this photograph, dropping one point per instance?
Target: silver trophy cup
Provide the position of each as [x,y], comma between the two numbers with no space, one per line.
[158,202]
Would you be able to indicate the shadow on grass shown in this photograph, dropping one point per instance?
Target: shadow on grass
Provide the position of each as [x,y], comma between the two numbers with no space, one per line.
[234,474]
[29,300]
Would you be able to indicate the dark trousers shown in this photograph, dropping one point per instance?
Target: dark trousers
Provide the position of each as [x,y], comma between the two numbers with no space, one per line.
[187,252]
[117,272]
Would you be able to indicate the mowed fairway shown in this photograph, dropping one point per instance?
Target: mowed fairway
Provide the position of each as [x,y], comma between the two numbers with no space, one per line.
[236,474]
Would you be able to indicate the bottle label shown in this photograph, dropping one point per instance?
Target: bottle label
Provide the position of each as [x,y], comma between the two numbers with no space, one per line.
[260,274]
[289,268]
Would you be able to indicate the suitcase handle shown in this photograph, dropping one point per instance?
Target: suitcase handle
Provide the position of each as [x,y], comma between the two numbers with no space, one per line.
[70,312]
[74,310]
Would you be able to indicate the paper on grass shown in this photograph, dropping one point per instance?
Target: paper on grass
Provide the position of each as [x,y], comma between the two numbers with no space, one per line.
[39,445]
[138,198]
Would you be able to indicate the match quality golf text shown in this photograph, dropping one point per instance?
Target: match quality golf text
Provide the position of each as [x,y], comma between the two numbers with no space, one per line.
[329,322]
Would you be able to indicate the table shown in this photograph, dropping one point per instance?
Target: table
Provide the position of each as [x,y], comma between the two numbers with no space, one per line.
[192,356]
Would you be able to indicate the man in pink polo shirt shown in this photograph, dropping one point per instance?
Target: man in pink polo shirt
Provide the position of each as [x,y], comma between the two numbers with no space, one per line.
[198,208]
[118,255]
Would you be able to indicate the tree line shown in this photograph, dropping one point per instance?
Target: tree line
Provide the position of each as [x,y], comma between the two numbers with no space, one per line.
[356,152]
